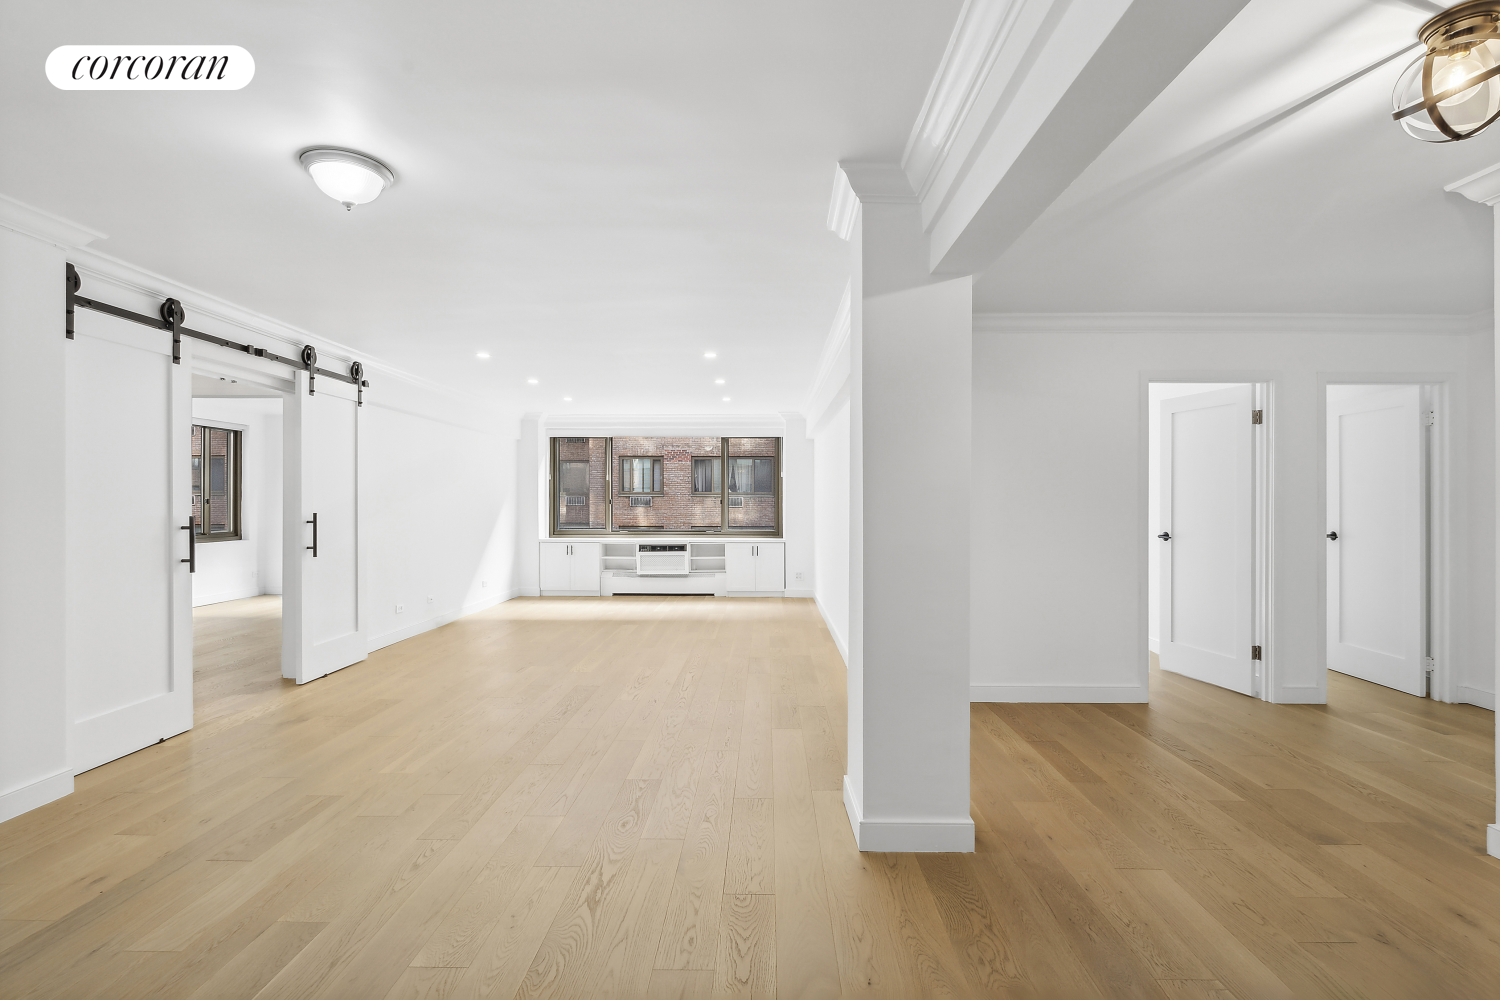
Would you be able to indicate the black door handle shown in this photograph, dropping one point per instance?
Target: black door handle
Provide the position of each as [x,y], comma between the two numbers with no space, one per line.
[1333,536]
[192,529]
[314,545]
[1165,536]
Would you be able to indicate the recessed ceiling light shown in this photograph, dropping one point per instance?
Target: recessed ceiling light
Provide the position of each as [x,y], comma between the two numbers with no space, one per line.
[726,399]
[718,381]
[483,355]
[531,381]
[347,177]
[709,354]
[567,399]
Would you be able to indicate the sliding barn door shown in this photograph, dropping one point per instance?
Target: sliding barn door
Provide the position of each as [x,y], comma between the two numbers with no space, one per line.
[128,501]
[1205,539]
[1376,535]
[323,589]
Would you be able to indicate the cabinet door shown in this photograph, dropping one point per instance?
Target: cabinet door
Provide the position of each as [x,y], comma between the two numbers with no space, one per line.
[557,566]
[770,567]
[587,563]
[739,562]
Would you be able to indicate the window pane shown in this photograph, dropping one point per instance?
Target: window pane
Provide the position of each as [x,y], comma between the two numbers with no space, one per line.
[753,481]
[674,467]
[581,499]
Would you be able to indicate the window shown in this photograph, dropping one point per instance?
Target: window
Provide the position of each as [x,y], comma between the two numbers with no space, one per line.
[706,476]
[752,475]
[216,483]
[640,475]
[666,484]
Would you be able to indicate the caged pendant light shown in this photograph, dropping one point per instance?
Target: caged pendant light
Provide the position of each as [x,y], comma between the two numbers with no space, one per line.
[1452,92]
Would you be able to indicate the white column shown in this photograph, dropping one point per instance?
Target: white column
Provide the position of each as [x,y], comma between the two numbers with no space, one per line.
[797,505]
[1484,187]
[532,509]
[910,426]
[33,684]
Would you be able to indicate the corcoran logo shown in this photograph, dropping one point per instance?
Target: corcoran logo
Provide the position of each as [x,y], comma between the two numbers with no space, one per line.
[149,67]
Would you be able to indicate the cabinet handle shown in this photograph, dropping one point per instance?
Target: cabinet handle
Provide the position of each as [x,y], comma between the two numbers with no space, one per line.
[314,545]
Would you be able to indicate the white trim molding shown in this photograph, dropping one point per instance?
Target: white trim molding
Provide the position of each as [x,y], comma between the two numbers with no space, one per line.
[1299,694]
[37,793]
[649,425]
[45,226]
[843,207]
[838,640]
[1482,186]
[1470,695]
[833,364]
[1492,840]
[917,834]
[438,621]
[1207,323]
[1061,694]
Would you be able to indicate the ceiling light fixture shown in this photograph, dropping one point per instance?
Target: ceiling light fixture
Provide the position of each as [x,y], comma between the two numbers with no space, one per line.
[483,355]
[567,399]
[531,381]
[709,354]
[347,177]
[1452,92]
[726,399]
[718,381]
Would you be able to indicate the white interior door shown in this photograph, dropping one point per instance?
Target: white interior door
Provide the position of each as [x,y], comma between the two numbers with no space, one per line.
[1206,558]
[1376,507]
[129,496]
[323,587]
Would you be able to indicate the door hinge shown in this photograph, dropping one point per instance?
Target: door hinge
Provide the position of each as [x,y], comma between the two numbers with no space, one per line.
[1429,418]
[1256,416]
[1254,652]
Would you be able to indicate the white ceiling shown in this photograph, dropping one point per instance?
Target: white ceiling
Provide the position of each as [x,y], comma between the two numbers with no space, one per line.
[1209,202]
[594,192]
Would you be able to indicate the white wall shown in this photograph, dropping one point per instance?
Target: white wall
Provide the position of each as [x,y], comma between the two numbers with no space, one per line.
[1060,600]
[228,571]
[1158,392]
[830,461]
[33,682]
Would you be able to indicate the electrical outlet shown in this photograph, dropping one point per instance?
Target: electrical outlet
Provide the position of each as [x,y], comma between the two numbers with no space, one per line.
[400,608]
[430,598]
[799,576]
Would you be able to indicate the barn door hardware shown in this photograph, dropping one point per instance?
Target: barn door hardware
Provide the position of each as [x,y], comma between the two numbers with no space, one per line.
[172,316]
[310,362]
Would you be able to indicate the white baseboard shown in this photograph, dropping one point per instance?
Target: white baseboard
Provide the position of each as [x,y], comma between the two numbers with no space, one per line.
[1301,694]
[1476,696]
[38,793]
[225,595]
[1154,645]
[928,836]
[797,593]
[838,640]
[1492,840]
[529,592]
[1078,694]
[438,621]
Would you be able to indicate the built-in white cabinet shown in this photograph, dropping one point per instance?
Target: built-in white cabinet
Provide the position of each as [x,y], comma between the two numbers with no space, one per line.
[755,566]
[571,567]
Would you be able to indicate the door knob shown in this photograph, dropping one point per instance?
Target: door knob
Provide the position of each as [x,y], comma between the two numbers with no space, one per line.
[1165,536]
[1333,536]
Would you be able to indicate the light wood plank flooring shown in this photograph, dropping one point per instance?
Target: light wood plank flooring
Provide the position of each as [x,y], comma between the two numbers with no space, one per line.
[639,797]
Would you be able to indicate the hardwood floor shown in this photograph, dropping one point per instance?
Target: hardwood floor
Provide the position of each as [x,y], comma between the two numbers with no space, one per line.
[640,797]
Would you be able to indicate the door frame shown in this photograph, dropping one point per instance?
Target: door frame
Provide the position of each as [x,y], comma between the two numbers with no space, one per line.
[1437,390]
[1263,522]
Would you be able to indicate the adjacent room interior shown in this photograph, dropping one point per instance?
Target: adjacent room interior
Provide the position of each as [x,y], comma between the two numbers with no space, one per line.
[977,498]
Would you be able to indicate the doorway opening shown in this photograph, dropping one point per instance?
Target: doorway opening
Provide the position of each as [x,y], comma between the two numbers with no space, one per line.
[237,483]
[1207,519]
[1384,527]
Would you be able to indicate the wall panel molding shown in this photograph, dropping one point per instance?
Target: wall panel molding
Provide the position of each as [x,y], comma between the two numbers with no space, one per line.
[1439,324]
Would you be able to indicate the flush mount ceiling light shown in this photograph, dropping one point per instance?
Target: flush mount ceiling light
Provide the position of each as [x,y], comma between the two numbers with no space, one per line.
[1453,91]
[483,355]
[709,354]
[347,177]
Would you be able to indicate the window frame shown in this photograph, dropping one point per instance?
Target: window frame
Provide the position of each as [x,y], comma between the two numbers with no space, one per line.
[659,472]
[554,530]
[692,476]
[775,474]
[234,480]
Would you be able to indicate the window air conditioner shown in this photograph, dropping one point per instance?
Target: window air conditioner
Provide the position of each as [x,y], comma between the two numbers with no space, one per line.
[661,560]
[640,501]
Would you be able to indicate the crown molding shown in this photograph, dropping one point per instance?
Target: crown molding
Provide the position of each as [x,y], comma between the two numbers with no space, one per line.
[833,365]
[1208,323]
[857,183]
[45,226]
[843,207]
[979,36]
[1483,186]
[658,424]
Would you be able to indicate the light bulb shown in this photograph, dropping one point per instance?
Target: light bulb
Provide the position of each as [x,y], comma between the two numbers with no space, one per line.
[347,177]
[1453,71]
[531,381]
[709,354]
